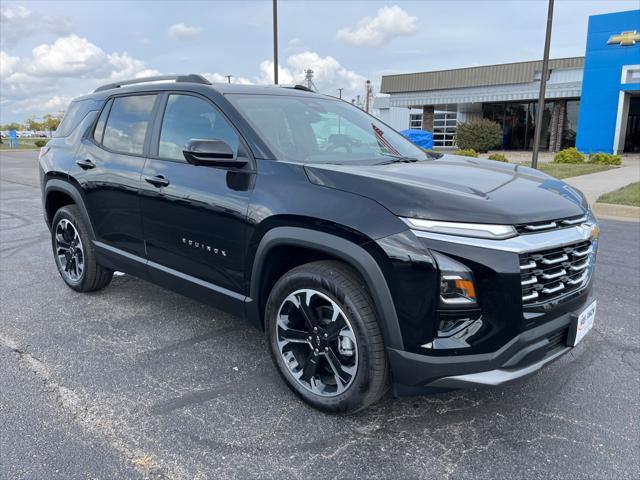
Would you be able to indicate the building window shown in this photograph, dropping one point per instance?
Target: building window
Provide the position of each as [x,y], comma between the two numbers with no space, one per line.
[445,123]
[517,120]
[415,121]
[570,126]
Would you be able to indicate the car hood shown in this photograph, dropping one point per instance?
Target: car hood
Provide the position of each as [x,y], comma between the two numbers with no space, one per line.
[455,188]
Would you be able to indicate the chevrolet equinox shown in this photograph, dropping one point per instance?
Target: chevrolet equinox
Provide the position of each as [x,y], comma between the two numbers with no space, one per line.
[368,262]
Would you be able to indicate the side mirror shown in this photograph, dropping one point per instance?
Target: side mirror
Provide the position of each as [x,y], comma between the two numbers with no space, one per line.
[215,153]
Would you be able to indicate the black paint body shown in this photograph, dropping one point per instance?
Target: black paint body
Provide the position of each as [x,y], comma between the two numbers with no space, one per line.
[168,234]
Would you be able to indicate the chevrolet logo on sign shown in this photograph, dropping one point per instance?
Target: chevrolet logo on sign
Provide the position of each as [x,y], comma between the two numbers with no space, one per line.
[625,38]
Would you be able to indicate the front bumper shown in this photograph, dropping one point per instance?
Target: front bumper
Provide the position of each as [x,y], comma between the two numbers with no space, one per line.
[525,354]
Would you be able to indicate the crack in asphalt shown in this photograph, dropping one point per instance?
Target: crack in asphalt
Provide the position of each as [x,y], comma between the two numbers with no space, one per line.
[84,412]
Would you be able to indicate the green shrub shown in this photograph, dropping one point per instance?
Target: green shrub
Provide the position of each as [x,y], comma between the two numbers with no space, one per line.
[479,135]
[40,143]
[569,155]
[498,157]
[605,158]
[469,152]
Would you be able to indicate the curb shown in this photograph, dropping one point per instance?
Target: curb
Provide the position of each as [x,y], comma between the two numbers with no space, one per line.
[617,212]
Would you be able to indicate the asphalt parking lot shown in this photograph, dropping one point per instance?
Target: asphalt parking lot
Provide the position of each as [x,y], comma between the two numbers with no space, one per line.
[138,382]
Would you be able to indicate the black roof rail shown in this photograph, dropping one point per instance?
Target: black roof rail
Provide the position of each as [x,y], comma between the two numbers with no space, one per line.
[296,87]
[191,78]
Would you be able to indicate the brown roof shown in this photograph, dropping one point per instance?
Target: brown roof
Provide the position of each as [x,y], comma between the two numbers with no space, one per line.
[508,73]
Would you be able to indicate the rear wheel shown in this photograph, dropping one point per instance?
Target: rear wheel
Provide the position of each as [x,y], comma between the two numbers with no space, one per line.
[74,253]
[325,339]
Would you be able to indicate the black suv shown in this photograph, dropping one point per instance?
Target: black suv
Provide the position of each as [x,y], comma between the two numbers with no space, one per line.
[368,262]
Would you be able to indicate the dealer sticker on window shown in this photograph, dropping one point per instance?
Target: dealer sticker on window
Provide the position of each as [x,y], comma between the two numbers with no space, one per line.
[583,324]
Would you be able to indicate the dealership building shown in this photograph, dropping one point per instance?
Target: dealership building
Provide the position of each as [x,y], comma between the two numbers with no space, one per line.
[592,102]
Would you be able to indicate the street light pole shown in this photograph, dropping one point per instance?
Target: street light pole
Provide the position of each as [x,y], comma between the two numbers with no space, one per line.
[275,42]
[543,86]
[228,77]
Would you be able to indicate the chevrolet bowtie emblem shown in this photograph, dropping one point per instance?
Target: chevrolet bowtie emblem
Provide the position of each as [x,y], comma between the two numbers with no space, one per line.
[625,38]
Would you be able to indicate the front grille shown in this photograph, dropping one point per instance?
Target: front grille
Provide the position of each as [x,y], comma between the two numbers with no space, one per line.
[549,274]
[537,227]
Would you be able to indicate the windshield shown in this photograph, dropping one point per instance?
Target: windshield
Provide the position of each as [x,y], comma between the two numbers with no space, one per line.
[322,130]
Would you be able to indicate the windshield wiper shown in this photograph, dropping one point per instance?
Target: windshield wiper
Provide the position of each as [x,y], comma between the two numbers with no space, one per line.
[398,160]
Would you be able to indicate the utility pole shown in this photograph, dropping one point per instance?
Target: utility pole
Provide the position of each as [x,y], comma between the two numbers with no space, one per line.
[228,77]
[543,86]
[275,42]
[340,92]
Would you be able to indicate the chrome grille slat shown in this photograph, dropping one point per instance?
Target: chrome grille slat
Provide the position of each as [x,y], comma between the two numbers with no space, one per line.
[544,226]
[555,289]
[574,221]
[550,225]
[551,276]
[579,280]
[553,261]
[578,267]
[555,272]
[531,264]
[582,253]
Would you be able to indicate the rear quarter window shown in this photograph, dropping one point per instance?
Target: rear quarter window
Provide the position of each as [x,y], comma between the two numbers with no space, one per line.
[127,124]
[75,114]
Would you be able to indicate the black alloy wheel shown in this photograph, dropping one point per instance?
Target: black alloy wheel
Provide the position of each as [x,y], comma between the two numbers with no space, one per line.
[325,339]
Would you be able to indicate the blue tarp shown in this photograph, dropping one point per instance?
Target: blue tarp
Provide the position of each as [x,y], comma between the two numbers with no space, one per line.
[419,137]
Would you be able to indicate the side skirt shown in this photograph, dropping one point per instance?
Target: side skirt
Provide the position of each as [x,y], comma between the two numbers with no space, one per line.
[205,292]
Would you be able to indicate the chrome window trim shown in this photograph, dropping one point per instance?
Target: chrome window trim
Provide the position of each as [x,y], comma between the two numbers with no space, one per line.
[521,244]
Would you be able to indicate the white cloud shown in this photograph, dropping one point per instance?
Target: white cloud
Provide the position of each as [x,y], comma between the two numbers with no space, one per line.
[123,67]
[18,23]
[7,64]
[390,22]
[182,31]
[328,73]
[67,56]
[54,73]
[220,78]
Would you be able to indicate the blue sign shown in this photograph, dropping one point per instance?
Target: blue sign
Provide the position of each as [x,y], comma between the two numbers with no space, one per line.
[613,51]
[13,139]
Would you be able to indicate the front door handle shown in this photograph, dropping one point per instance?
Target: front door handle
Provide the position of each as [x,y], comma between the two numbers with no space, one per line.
[157,181]
[86,164]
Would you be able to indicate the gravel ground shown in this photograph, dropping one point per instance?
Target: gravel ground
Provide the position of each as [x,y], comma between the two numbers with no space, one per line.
[137,382]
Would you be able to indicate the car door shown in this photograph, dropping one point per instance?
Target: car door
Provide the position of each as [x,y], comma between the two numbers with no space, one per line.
[109,169]
[194,216]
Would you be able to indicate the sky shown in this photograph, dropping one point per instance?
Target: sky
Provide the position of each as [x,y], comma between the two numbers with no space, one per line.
[53,51]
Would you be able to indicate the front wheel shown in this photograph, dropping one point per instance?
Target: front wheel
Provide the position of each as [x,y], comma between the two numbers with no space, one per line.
[325,339]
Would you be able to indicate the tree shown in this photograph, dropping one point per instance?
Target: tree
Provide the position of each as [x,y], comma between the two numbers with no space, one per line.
[11,126]
[33,124]
[51,122]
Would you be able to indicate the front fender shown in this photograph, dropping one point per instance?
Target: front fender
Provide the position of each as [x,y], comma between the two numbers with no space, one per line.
[352,254]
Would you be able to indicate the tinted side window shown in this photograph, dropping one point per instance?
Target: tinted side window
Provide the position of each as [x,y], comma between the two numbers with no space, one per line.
[99,131]
[188,117]
[75,113]
[127,123]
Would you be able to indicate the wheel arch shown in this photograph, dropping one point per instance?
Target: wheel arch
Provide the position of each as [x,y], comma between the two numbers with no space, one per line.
[325,245]
[57,193]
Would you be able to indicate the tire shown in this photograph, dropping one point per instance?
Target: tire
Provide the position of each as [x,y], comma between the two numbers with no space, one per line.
[80,271]
[305,358]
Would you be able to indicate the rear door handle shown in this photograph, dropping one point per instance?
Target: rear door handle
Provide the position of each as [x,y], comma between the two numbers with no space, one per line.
[86,164]
[157,181]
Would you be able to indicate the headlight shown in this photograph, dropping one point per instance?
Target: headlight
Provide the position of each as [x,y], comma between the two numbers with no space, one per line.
[457,288]
[477,230]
